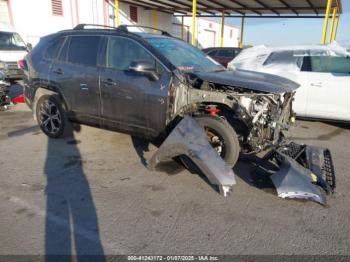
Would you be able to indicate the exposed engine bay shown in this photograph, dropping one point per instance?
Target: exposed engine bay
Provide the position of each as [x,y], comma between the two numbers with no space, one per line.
[258,117]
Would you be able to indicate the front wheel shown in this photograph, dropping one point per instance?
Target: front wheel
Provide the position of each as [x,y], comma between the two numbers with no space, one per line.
[222,137]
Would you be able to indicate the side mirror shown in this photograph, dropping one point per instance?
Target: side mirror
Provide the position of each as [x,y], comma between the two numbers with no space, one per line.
[144,68]
[29,47]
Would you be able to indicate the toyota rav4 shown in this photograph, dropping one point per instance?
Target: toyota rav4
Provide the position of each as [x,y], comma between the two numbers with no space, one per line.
[144,83]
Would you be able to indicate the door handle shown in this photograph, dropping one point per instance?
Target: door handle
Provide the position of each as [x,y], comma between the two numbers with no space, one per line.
[108,82]
[318,84]
[58,71]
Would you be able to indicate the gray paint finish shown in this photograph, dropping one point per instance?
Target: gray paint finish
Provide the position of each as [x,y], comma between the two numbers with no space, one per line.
[250,80]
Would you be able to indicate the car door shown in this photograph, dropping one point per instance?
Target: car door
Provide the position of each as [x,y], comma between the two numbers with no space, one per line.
[76,74]
[328,87]
[132,102]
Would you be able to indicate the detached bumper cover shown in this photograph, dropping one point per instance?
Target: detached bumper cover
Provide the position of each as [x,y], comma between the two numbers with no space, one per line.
[305,172]
[189,139]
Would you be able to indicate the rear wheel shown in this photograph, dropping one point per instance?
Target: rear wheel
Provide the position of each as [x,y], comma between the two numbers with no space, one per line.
[51,117]
[222,137]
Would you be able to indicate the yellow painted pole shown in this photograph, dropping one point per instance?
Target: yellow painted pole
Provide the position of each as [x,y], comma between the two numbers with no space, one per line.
[194,24]
[242,33]
[154,15]
[333,24]
[117,19]
[222,29]
[336,28]
[182,28]
[325,26]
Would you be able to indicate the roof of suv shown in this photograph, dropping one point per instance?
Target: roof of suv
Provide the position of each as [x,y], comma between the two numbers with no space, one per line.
[123,29]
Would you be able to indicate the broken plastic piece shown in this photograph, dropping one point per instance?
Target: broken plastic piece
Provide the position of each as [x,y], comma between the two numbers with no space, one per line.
[189,139]
[295,181]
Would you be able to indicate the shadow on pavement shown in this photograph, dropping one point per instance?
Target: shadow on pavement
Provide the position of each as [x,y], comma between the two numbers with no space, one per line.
[71,218]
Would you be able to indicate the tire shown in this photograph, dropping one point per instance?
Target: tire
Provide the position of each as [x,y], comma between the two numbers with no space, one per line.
[228,145]
[52,118]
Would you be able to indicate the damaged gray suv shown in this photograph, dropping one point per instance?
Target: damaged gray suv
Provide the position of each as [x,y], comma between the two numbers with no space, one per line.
[144,84]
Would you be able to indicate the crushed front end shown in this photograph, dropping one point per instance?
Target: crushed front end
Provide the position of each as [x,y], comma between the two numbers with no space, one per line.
[259,108]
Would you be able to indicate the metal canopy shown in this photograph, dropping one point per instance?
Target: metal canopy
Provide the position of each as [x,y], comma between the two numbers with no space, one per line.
[270,8]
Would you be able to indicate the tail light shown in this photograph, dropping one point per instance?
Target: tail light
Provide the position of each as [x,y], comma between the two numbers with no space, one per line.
[22,64]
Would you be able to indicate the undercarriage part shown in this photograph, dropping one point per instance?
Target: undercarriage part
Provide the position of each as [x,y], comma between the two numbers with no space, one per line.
[305,172]
[189,139]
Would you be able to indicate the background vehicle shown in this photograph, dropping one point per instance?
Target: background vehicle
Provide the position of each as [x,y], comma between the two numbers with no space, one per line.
[4,91]
[12,49]
[222,55]
[143,84]
[322,71]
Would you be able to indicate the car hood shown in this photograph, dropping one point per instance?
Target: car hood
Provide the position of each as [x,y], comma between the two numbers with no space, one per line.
[250,80]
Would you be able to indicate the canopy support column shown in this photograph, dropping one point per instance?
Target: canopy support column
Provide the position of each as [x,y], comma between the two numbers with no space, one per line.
[242,34]
[325,26]
[117,19]
[194,24]
[336,28]
[222,29]
[182,28]
[154,15]
[334,15]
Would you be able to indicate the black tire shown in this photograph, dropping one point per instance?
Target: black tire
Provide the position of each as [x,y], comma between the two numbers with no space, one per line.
[52,118]
[221,129]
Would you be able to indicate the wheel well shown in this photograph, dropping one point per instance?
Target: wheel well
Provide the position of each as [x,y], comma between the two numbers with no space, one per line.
[43,91]
[230,114]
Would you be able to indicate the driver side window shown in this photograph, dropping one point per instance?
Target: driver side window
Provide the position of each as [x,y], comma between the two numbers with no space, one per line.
[122,51]
[330,64]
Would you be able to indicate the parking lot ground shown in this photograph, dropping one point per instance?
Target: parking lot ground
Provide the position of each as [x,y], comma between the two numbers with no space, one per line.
[92,194]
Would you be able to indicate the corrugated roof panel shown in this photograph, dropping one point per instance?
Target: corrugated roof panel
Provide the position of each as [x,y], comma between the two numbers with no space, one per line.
[242,7]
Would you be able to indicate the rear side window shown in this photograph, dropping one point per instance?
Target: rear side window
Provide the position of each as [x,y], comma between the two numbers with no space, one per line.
[53,49]
[284,58]
[83,50]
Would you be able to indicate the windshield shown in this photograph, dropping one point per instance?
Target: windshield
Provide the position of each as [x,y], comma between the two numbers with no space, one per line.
[11,41]
[184,56]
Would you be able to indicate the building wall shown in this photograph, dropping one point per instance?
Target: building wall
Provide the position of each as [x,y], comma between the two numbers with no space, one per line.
[208,32]
[34,18]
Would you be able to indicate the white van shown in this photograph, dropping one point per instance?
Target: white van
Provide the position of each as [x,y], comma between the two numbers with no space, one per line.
[12,49]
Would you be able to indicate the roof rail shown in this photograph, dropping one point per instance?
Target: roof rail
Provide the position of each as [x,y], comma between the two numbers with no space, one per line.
[82,26]
[124,28]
